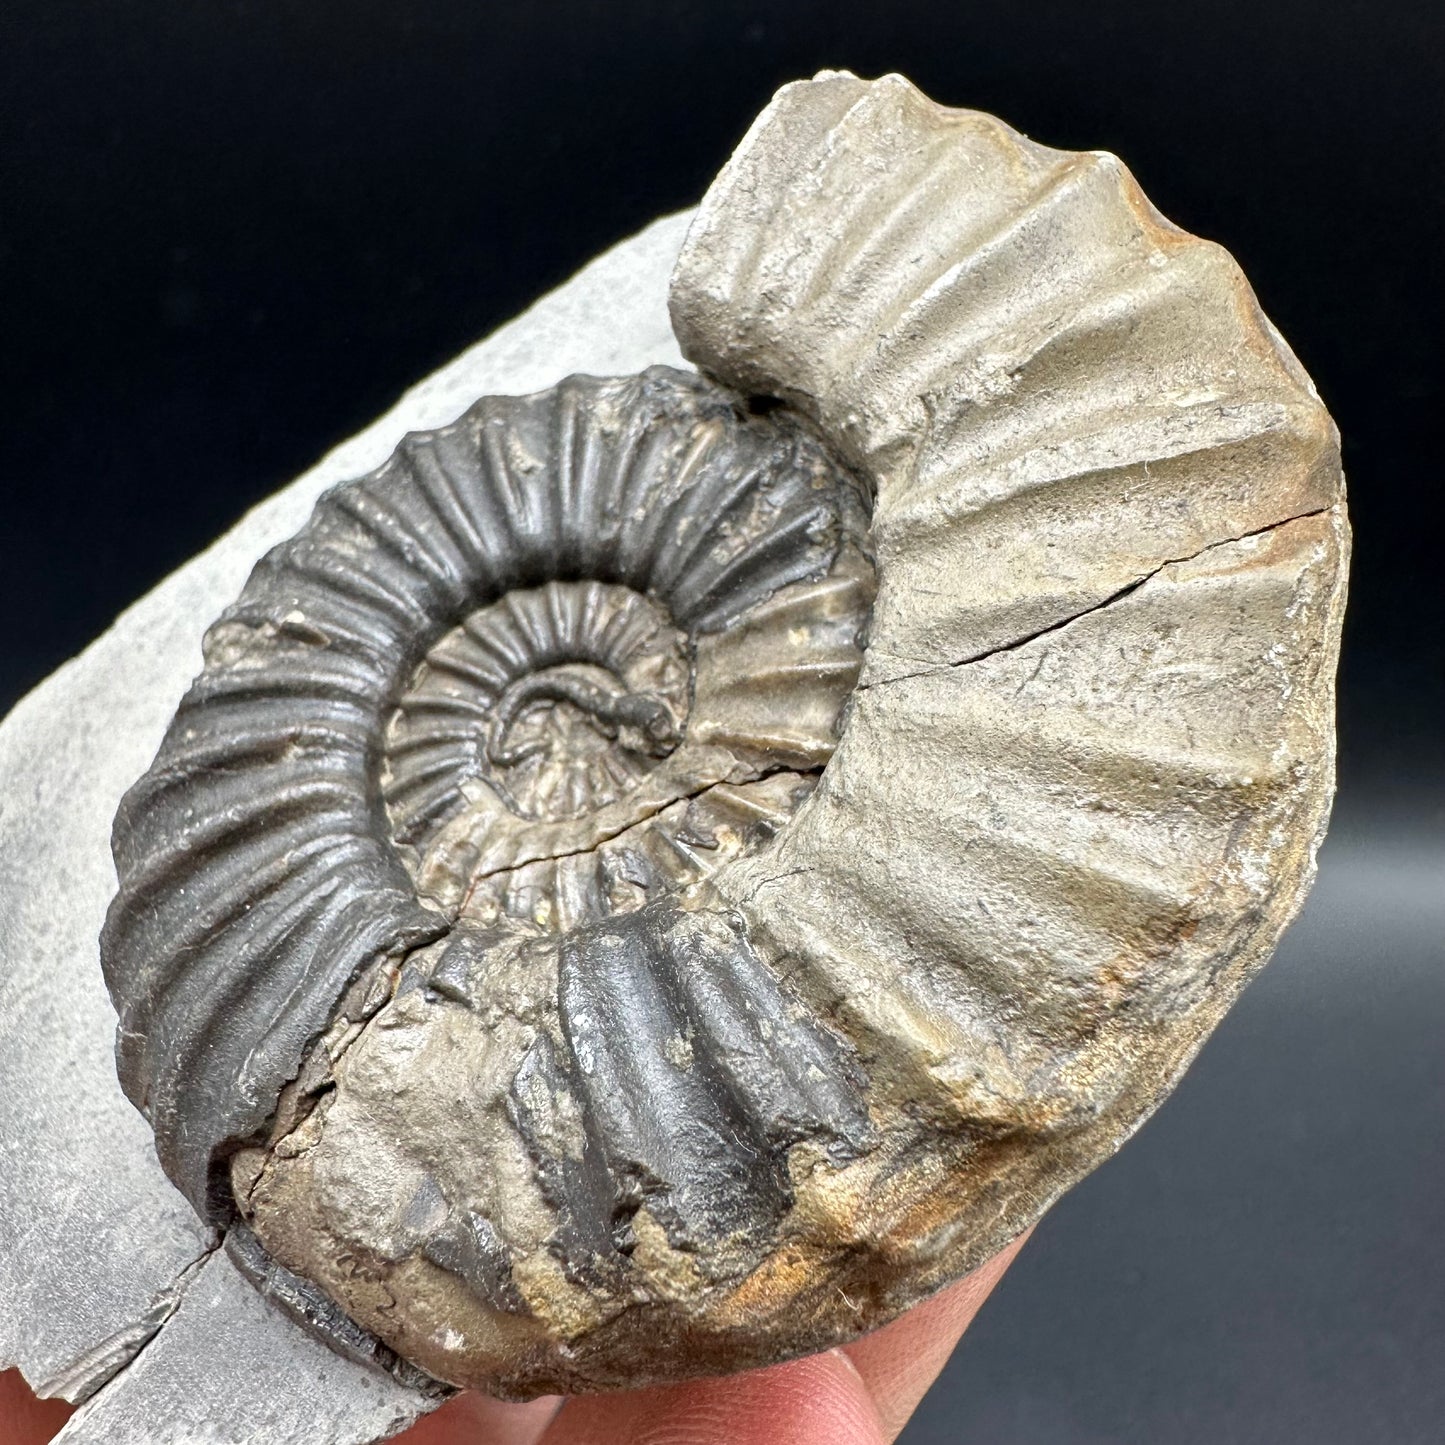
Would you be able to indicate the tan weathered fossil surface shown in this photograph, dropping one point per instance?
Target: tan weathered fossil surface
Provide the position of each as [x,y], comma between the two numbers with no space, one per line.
[1076,793]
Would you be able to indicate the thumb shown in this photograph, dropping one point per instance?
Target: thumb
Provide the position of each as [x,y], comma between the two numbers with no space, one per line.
[862,1394]
[818,1399]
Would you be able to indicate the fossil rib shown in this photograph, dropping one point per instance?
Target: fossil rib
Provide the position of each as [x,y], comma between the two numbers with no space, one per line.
[574,953]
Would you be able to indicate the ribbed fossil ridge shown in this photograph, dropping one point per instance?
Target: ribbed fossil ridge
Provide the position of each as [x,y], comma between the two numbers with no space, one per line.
[259,874]
[588,973]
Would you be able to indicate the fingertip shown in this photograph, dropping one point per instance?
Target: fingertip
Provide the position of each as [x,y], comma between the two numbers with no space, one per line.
[898,1363]
[25,1420]
[820,1400]
[474,1419]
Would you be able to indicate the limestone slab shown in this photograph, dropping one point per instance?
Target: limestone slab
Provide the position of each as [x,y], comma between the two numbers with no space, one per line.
[97,1248]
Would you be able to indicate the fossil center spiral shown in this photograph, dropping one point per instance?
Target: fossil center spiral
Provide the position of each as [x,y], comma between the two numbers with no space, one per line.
[557,700]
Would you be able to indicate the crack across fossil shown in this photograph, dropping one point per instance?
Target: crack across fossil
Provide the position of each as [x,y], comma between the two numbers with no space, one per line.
[702,790]
[1064,622]
[611,836]
[357,1033]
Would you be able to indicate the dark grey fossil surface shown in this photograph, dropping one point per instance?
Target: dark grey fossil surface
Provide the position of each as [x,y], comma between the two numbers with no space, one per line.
[579,629]
[259,880]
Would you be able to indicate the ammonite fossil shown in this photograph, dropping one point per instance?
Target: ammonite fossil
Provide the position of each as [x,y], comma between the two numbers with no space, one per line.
[668,871]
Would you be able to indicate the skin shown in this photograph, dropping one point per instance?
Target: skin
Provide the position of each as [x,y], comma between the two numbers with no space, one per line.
[862,1394]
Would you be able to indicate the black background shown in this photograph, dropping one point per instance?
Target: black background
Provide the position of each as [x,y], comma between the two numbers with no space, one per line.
[231,234]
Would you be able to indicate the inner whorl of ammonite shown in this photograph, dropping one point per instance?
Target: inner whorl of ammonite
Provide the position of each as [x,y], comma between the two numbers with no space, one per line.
[552,705]
[554,701]
[540,770]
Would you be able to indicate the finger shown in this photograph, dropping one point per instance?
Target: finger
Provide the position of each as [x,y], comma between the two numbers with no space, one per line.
[856,1396]
[899,1362]
[820,1400]
[24,1420]
[472,1419]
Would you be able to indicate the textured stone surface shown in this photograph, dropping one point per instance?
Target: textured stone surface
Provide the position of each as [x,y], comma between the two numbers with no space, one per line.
[222,1371]
[1076,793]
[96,1247]
[1091,758]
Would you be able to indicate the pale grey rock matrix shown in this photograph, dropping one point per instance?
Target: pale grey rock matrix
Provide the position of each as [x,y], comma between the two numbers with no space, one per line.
[98,1251]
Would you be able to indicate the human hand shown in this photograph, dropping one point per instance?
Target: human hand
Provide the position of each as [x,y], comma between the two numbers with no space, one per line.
[861,1394]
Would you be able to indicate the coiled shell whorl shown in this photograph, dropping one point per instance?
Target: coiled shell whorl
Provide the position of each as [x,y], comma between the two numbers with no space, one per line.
[667,872]
[418,710]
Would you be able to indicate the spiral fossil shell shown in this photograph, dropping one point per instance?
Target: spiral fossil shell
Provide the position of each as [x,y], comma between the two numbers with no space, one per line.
[668,871]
